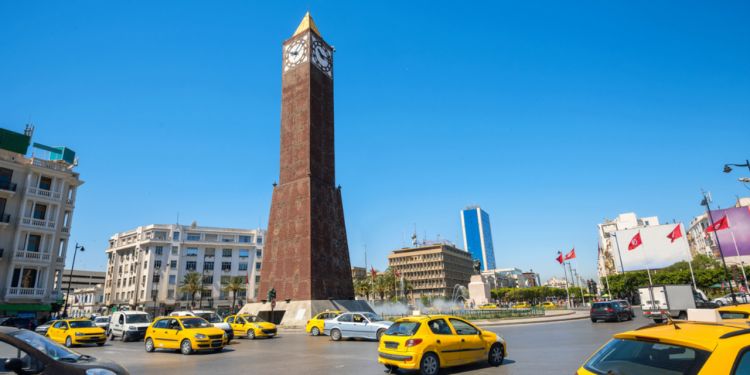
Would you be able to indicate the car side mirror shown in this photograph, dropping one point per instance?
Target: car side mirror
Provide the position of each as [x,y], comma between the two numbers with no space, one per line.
[15,365]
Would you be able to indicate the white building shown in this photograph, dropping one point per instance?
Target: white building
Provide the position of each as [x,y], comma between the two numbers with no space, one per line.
[146,266]
[554,282]
[37,198]
[84,302]
[607,245]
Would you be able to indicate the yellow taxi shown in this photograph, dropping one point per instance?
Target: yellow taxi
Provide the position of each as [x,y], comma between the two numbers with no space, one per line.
[315,325]
[699,346]
[549,305]
[251,326]
[76,331]
[184,333]
[430,342]
[522,305]
[735,311]
[488,306]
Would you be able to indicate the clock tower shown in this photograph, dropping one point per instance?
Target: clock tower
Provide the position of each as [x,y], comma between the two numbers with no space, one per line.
[306,252]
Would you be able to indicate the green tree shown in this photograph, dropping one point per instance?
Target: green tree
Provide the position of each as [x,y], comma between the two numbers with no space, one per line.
[234,285]
[192,283]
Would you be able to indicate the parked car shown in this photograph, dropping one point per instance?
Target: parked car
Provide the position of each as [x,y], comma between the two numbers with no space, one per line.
[42,329]
[211,317]
[102,322]
[128,325]
[364,325]
[488,306]
[429,342]
[522,305]
[17,322]
[627,306]
[659,302]
[727,299]
[609,311]
[33,353]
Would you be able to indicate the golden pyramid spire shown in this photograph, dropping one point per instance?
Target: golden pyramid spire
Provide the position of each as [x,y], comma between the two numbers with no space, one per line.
[307,23]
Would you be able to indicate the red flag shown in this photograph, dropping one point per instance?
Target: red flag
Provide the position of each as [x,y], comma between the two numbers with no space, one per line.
[722,224]
[559,257]
[635,242]
[372,272]
[675,234]
[571,254]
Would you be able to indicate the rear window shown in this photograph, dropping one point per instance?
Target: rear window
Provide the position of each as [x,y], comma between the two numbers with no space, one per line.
[403,329]
[733,315]
[646,358]
[600,305]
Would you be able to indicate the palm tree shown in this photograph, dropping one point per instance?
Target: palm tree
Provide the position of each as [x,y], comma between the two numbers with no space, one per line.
[233,285]
[192,283]
[363,287]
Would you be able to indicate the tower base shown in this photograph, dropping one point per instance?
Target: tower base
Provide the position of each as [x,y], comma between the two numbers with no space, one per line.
[295,314]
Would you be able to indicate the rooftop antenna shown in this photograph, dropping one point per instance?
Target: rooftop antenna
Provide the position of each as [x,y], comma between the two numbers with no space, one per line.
[29,130]
[178,217]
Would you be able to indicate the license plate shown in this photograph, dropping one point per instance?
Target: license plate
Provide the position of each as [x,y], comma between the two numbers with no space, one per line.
[391,345]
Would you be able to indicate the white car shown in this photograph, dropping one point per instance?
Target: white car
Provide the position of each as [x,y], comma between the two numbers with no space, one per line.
[727,299]
[212,318]
[128,325]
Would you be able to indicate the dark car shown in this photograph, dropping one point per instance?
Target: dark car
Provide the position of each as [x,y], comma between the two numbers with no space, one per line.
[626,305]
[25,352]
[17,322]
[609,311]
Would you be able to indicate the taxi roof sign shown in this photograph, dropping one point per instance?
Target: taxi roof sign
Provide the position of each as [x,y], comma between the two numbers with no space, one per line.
[704,315]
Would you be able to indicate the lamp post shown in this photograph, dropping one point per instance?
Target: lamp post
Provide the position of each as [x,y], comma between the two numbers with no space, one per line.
[70,277]
[728,169]
[705,202]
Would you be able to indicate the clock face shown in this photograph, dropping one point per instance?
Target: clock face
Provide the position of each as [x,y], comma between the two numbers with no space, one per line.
[295,53]
[322,56]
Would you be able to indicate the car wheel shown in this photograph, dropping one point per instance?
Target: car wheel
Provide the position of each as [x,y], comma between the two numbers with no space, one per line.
[379,334]
[68,342]
[593,320]
[335,334]
[186,347]
[315,331]
[251,334]
[149,345]
[391,368]
[682,316]
[429,365]
[123,338]
[497,355]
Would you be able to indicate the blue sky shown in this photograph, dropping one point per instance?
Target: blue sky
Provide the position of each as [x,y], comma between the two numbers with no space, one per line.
[550,116]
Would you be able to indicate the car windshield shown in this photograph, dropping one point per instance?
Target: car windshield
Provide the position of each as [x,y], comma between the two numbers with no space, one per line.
[195,323]
[253,319]
[403,329]
[47,346]
[646,358]
[102,319]
[372,317]
[210,317]
[137,318]
[81,323]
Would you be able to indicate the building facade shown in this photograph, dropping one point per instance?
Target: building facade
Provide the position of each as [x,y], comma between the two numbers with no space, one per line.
[432,270]
[37,199]
[147,265]
[81,279]
[84,302]
[475,224]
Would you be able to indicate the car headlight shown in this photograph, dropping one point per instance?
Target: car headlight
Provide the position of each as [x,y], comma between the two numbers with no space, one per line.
[200,336]
[79,333]
[132,328]
[100,371]
[257,325]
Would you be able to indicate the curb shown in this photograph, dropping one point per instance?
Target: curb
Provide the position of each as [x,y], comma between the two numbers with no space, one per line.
[558,318]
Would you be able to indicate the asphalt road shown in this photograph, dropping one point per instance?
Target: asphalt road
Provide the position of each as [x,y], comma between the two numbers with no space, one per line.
[539,348]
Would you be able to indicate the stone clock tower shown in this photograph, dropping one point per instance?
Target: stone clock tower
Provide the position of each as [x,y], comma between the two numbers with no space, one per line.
[306,255]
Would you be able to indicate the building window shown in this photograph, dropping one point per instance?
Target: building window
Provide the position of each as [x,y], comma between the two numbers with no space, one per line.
[209,252]
[207,280]
[227,238]
[174,250]
[175,236]
[159,250]
[244,253]
[170,293]
[257,266]
[258,253]
[208,266]
[157,264]
[156,278]
[243,267]
[40,211]
[225,280]
[191,252]
[226,266]
[190,265]
[227,253]
[172,279]
[257,279]
[193,236]
[33,242]
[259,240]
[45,183]
[246,239]
[172,263]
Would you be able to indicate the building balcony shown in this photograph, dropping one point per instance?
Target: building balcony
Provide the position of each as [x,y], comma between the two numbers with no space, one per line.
[32,255]
[7,189]
[47,194]
[65,230]
[38,223]
[25,292]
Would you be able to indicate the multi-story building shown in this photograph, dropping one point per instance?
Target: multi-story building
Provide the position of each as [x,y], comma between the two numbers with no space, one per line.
[37,198]
[147,265]
[607,244]
[84,302]
[433,270]
[555,282]
[475,224]
[81,279]
[529,279]
[359,273]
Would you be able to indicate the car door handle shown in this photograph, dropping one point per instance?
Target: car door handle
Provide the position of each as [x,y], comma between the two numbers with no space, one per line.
[438,341]
[462,340]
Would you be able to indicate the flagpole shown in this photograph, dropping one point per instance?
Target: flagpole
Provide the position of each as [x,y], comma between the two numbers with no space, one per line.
[690,257]
[718,244]
[619,254]
[565,272]
[737,249]
[572,278]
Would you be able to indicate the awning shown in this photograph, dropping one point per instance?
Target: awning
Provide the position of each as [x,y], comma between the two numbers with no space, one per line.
[25,307]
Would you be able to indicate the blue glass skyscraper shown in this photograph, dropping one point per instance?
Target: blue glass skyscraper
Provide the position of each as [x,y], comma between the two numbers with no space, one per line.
[475,224]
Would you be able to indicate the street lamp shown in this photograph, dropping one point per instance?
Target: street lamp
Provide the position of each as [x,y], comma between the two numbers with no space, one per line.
[70,277]
[706,202]
[728,169]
